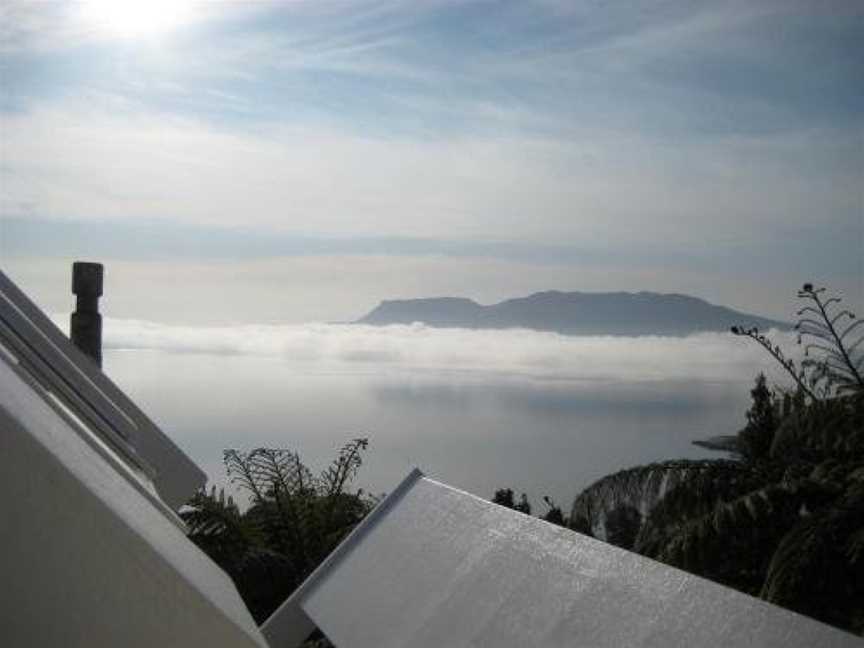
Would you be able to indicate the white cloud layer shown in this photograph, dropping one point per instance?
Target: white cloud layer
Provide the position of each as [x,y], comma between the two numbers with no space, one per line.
[104,158]
[518,352]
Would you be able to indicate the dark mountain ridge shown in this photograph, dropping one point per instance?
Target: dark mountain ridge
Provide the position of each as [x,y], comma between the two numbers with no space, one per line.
[573,313]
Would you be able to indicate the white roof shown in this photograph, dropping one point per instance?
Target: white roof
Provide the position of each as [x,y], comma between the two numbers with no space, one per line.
[434,566]
[93,553]
[59,369]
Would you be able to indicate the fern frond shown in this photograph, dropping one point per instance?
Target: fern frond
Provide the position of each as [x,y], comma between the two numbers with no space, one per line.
[241,474]
[641,488]
[698,497]
[212,514]
[843,313]
[833,428]
[733,542]
[811,571]
[852,347]
[344,467]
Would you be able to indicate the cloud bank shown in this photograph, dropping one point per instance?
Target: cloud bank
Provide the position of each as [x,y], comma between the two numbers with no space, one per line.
[517,352]
[94,159]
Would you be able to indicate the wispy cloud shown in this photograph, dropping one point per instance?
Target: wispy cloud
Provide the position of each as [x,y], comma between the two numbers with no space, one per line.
[104,159]
[656,68]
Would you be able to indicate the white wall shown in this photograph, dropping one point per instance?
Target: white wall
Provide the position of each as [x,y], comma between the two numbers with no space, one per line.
[87,560]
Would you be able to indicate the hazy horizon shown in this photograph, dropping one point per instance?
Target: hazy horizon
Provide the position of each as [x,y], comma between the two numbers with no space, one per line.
[153,292]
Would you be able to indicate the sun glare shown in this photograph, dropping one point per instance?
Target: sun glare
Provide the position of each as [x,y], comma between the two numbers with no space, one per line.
[135,18]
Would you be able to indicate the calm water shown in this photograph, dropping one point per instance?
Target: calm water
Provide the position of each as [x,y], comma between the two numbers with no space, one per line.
[477,430]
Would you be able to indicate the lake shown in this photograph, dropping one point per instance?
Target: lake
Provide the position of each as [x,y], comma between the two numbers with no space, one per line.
[547,419]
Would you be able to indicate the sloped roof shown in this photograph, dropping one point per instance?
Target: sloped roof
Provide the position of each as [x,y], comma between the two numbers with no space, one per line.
[53,363]
[92,551]
[434,566]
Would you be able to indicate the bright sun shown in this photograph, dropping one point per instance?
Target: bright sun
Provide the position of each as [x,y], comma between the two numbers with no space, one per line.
[135,18]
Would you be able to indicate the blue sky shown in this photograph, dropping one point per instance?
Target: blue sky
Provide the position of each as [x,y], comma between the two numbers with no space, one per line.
[347,152]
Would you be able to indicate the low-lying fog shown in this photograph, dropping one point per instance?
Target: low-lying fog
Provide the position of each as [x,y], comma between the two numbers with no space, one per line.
[537,412]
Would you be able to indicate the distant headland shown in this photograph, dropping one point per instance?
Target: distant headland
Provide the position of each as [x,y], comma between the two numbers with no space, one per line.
[573,313]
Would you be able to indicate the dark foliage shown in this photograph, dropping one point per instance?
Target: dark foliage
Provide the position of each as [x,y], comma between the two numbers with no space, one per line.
[554,514]
[784,520]
[763,417]
[504,497]
[622,526]
[295,519]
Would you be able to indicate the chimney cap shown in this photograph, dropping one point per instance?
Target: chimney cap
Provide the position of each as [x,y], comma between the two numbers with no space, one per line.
[87,278]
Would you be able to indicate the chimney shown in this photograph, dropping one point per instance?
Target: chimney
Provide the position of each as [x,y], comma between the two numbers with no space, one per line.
[86,322]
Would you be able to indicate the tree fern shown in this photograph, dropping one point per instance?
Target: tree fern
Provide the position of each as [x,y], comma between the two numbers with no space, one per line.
[832,338]
[698,495]
[817,568]
[734,541]
[293,521]
[784,519]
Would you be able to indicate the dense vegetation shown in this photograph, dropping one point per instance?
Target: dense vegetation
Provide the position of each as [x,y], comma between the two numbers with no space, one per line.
[294,520]
[783,519]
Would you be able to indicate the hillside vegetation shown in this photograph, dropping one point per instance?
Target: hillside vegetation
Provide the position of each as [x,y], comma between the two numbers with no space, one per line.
[783,518]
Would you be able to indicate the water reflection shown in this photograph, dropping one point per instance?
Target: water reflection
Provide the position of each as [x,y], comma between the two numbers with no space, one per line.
[478,431]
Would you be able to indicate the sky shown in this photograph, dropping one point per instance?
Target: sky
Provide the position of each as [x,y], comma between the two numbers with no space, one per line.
[282,162]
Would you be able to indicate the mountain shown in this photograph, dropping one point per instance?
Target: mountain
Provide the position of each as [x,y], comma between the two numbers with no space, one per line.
[573,313]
